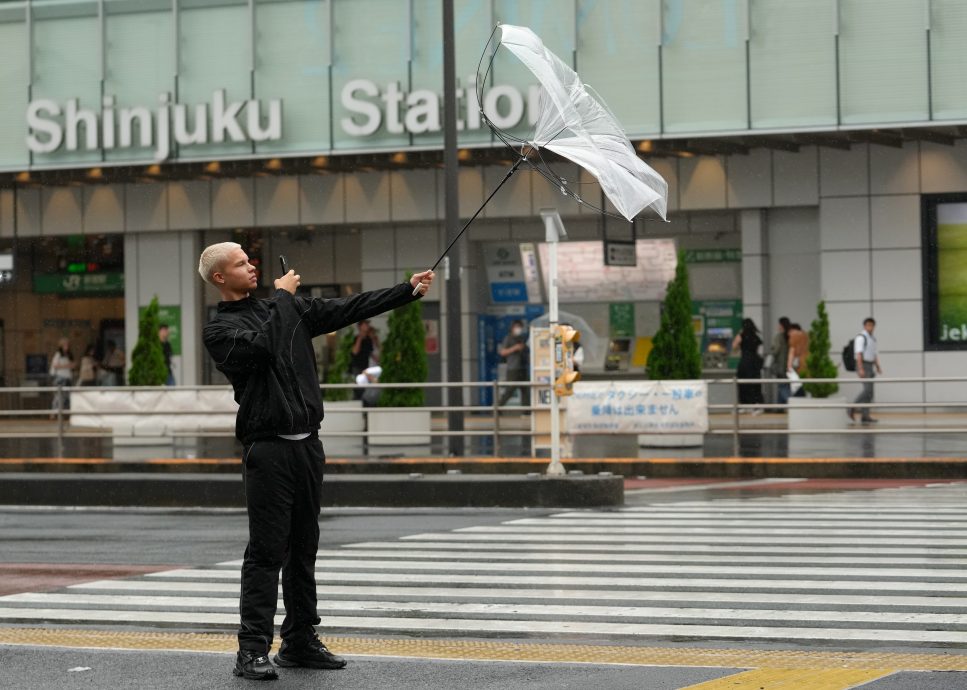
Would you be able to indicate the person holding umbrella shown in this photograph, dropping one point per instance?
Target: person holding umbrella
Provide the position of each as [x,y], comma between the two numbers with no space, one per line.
[264,347]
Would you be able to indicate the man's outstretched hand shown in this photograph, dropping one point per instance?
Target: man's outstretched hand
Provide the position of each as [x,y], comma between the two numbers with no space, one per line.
[421,282]
[289,282]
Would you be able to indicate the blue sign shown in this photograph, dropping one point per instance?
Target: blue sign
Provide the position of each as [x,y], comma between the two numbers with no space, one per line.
[508,292]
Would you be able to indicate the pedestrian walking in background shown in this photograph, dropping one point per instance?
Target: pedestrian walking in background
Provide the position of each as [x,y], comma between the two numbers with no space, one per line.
[264,347]
[113,365]
[163,333]
[364,352]
[748,343]
[796,359]
[62,367]
[365,349]
[780,357]
[87,372]
[514,351]
[867,367]
[364,380]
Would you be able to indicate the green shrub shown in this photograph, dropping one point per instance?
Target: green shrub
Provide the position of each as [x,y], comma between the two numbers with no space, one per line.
[403,356]
[339,371]
[675,354]
[819,365]
[148,360]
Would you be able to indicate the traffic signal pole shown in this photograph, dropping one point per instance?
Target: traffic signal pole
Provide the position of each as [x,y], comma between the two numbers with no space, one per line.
[553,231]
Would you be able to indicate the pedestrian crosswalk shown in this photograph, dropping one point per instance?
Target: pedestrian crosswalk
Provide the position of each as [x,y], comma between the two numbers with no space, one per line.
[858,568]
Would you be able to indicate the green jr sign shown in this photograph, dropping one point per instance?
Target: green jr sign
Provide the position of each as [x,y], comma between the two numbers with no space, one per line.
[79,284]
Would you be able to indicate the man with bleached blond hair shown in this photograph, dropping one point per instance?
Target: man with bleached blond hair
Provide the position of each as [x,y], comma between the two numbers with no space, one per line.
[264,347]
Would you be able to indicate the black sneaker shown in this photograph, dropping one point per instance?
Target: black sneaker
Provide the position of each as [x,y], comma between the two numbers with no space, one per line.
[311,654]
[254,666]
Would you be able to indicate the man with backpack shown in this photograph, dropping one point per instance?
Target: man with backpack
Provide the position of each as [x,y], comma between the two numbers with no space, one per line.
[866,363]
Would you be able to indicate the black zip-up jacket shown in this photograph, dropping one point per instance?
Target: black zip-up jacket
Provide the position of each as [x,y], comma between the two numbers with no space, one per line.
[264,347]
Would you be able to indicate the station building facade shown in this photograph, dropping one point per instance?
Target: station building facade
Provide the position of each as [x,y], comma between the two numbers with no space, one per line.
[802,141]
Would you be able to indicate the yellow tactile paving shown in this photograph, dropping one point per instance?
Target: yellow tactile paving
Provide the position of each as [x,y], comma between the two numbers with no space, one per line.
[774,661]
[793,679]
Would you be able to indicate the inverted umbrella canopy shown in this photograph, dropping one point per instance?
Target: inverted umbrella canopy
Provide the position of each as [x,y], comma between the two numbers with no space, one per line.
[574,123]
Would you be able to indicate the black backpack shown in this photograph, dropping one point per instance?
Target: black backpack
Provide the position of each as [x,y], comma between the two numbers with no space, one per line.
[849,356]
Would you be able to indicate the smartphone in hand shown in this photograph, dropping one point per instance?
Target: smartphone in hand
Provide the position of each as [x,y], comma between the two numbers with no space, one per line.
[285,267]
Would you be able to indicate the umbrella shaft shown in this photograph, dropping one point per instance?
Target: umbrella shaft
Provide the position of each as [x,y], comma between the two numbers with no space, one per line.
[477,213]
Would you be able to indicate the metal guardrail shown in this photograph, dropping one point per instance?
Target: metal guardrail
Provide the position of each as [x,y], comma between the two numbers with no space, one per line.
[493,411]
[735,408]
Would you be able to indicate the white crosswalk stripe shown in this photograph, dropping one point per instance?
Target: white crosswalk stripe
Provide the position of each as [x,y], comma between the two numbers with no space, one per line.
[866,568]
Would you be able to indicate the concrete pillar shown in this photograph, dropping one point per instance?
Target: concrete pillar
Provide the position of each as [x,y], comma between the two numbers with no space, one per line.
[755,267]
[166,264]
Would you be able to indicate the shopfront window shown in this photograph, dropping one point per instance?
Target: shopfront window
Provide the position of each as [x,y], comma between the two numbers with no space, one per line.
[61,287]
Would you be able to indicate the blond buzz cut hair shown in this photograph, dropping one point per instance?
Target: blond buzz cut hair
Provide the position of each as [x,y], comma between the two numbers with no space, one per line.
[213,258]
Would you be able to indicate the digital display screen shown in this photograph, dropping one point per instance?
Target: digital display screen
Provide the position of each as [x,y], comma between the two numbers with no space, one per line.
[945,271]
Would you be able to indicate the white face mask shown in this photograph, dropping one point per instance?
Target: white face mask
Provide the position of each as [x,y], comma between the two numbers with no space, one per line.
[516,330]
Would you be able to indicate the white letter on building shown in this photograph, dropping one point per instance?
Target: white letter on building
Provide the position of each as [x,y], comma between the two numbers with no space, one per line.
[164,129]
[533,104]
[514,112]
[73,118]
[473,107]
[182,135]
[422,112]
[36,123]
[365,108]
[393,97]
[107,122]
[271,133]
[126,119]
[223,119]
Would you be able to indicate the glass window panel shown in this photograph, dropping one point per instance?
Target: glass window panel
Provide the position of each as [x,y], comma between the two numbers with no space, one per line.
[612,37]
[883,61]
[292,63]
[67,65]
[472,23]
[948,59]
[370,42]
[214,54]
[426,69]
[792,63]
[139,60]
[704,65]
[554,22]
[14,84]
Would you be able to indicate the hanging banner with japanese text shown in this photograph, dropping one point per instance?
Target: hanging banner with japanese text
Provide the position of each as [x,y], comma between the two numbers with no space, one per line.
[638,407]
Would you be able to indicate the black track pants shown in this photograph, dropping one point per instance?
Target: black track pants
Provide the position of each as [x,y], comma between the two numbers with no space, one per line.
[283,485]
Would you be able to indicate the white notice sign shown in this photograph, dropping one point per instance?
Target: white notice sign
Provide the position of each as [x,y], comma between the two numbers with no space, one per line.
[638,407]
[583,276]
